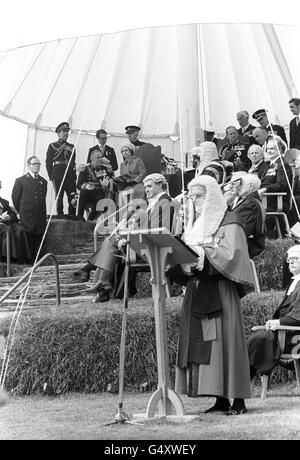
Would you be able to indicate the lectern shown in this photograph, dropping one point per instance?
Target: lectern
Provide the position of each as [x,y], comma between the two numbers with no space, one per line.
[159,248]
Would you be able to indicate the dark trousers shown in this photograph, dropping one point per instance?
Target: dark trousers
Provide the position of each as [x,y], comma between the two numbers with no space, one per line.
[34,241]
[69,188]
[89,199]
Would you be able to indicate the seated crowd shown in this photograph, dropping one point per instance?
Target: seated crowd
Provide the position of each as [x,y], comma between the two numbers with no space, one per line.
[258,150]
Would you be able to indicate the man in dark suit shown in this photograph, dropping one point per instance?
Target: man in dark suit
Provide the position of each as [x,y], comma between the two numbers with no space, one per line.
[262,118]
[277,175]
[245,127]
[29,199]
[132,132]
[294,105]
[19,248]
[107,151]
[60,157]
[246,203]
[263,346]
[158,213]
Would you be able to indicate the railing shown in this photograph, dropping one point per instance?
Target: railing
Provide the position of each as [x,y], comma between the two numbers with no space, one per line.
[33,269]
[7,231]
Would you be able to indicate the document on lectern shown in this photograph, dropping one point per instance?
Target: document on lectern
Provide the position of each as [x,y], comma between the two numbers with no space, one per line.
[161,237]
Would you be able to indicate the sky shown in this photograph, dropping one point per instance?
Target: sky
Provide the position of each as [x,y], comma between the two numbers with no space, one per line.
[33,21]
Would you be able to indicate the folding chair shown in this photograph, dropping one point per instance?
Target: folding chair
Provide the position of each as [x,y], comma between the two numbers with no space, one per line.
[279,210]
[294,356]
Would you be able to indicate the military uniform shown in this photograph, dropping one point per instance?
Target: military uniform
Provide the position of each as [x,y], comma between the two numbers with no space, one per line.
[92,176]
[237,154]
[29,199]
[131,129]
[277,129]
[57,158]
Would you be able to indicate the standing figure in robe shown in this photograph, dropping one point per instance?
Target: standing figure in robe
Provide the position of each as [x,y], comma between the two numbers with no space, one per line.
[212,357]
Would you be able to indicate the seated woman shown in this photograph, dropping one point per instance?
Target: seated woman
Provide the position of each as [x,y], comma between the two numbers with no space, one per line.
[263,347]
[132,172]
[19,247]
[212,357]
[258,165]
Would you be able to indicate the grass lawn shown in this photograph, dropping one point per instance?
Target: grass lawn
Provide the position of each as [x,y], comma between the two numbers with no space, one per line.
[82,416]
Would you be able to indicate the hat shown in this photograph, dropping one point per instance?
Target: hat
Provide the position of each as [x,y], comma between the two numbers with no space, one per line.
[294,250]
[259,114]
[129,145]
[132,129]
[63,125]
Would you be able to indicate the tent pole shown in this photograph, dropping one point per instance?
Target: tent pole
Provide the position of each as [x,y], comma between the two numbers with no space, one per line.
[26,150]
[201,89]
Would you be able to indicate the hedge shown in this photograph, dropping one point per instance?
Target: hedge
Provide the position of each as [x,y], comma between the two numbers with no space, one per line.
[76,349]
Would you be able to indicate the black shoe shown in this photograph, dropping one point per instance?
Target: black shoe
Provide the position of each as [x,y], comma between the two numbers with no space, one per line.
[233,411]
[81,276]
[221,405]
[100,297]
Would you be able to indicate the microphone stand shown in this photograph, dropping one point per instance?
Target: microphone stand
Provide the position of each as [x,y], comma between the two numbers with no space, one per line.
[121,416]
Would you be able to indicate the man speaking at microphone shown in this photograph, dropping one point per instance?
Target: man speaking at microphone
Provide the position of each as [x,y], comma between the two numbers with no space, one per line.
[159,213]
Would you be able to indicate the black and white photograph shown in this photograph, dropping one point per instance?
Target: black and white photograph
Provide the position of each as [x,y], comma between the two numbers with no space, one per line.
[149,223]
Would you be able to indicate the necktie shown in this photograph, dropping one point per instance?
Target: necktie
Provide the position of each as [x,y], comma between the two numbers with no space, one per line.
[35,176]
[297,120]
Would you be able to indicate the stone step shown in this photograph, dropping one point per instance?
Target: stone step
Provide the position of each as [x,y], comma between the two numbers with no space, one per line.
[9,305]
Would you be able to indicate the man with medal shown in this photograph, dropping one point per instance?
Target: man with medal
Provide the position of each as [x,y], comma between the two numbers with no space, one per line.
[60,157]
[94,183]
[235,150]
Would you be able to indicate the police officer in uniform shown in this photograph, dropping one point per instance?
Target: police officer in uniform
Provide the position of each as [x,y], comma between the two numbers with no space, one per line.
[262,118]
[29,199]
[235,150]
[57,160]
[132,132]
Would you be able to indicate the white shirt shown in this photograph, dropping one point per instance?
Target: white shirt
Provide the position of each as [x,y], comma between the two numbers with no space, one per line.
[32,174]
[245,127]
[295,279]
[236,201]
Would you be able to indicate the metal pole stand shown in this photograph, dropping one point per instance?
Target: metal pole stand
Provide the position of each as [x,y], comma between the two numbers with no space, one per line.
[121,417]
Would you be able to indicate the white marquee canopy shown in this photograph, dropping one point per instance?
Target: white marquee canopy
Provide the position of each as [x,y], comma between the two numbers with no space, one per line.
[173,81]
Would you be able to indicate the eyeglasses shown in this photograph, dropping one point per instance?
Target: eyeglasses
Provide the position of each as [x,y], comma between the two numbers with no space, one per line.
[35,164]
[292,259]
